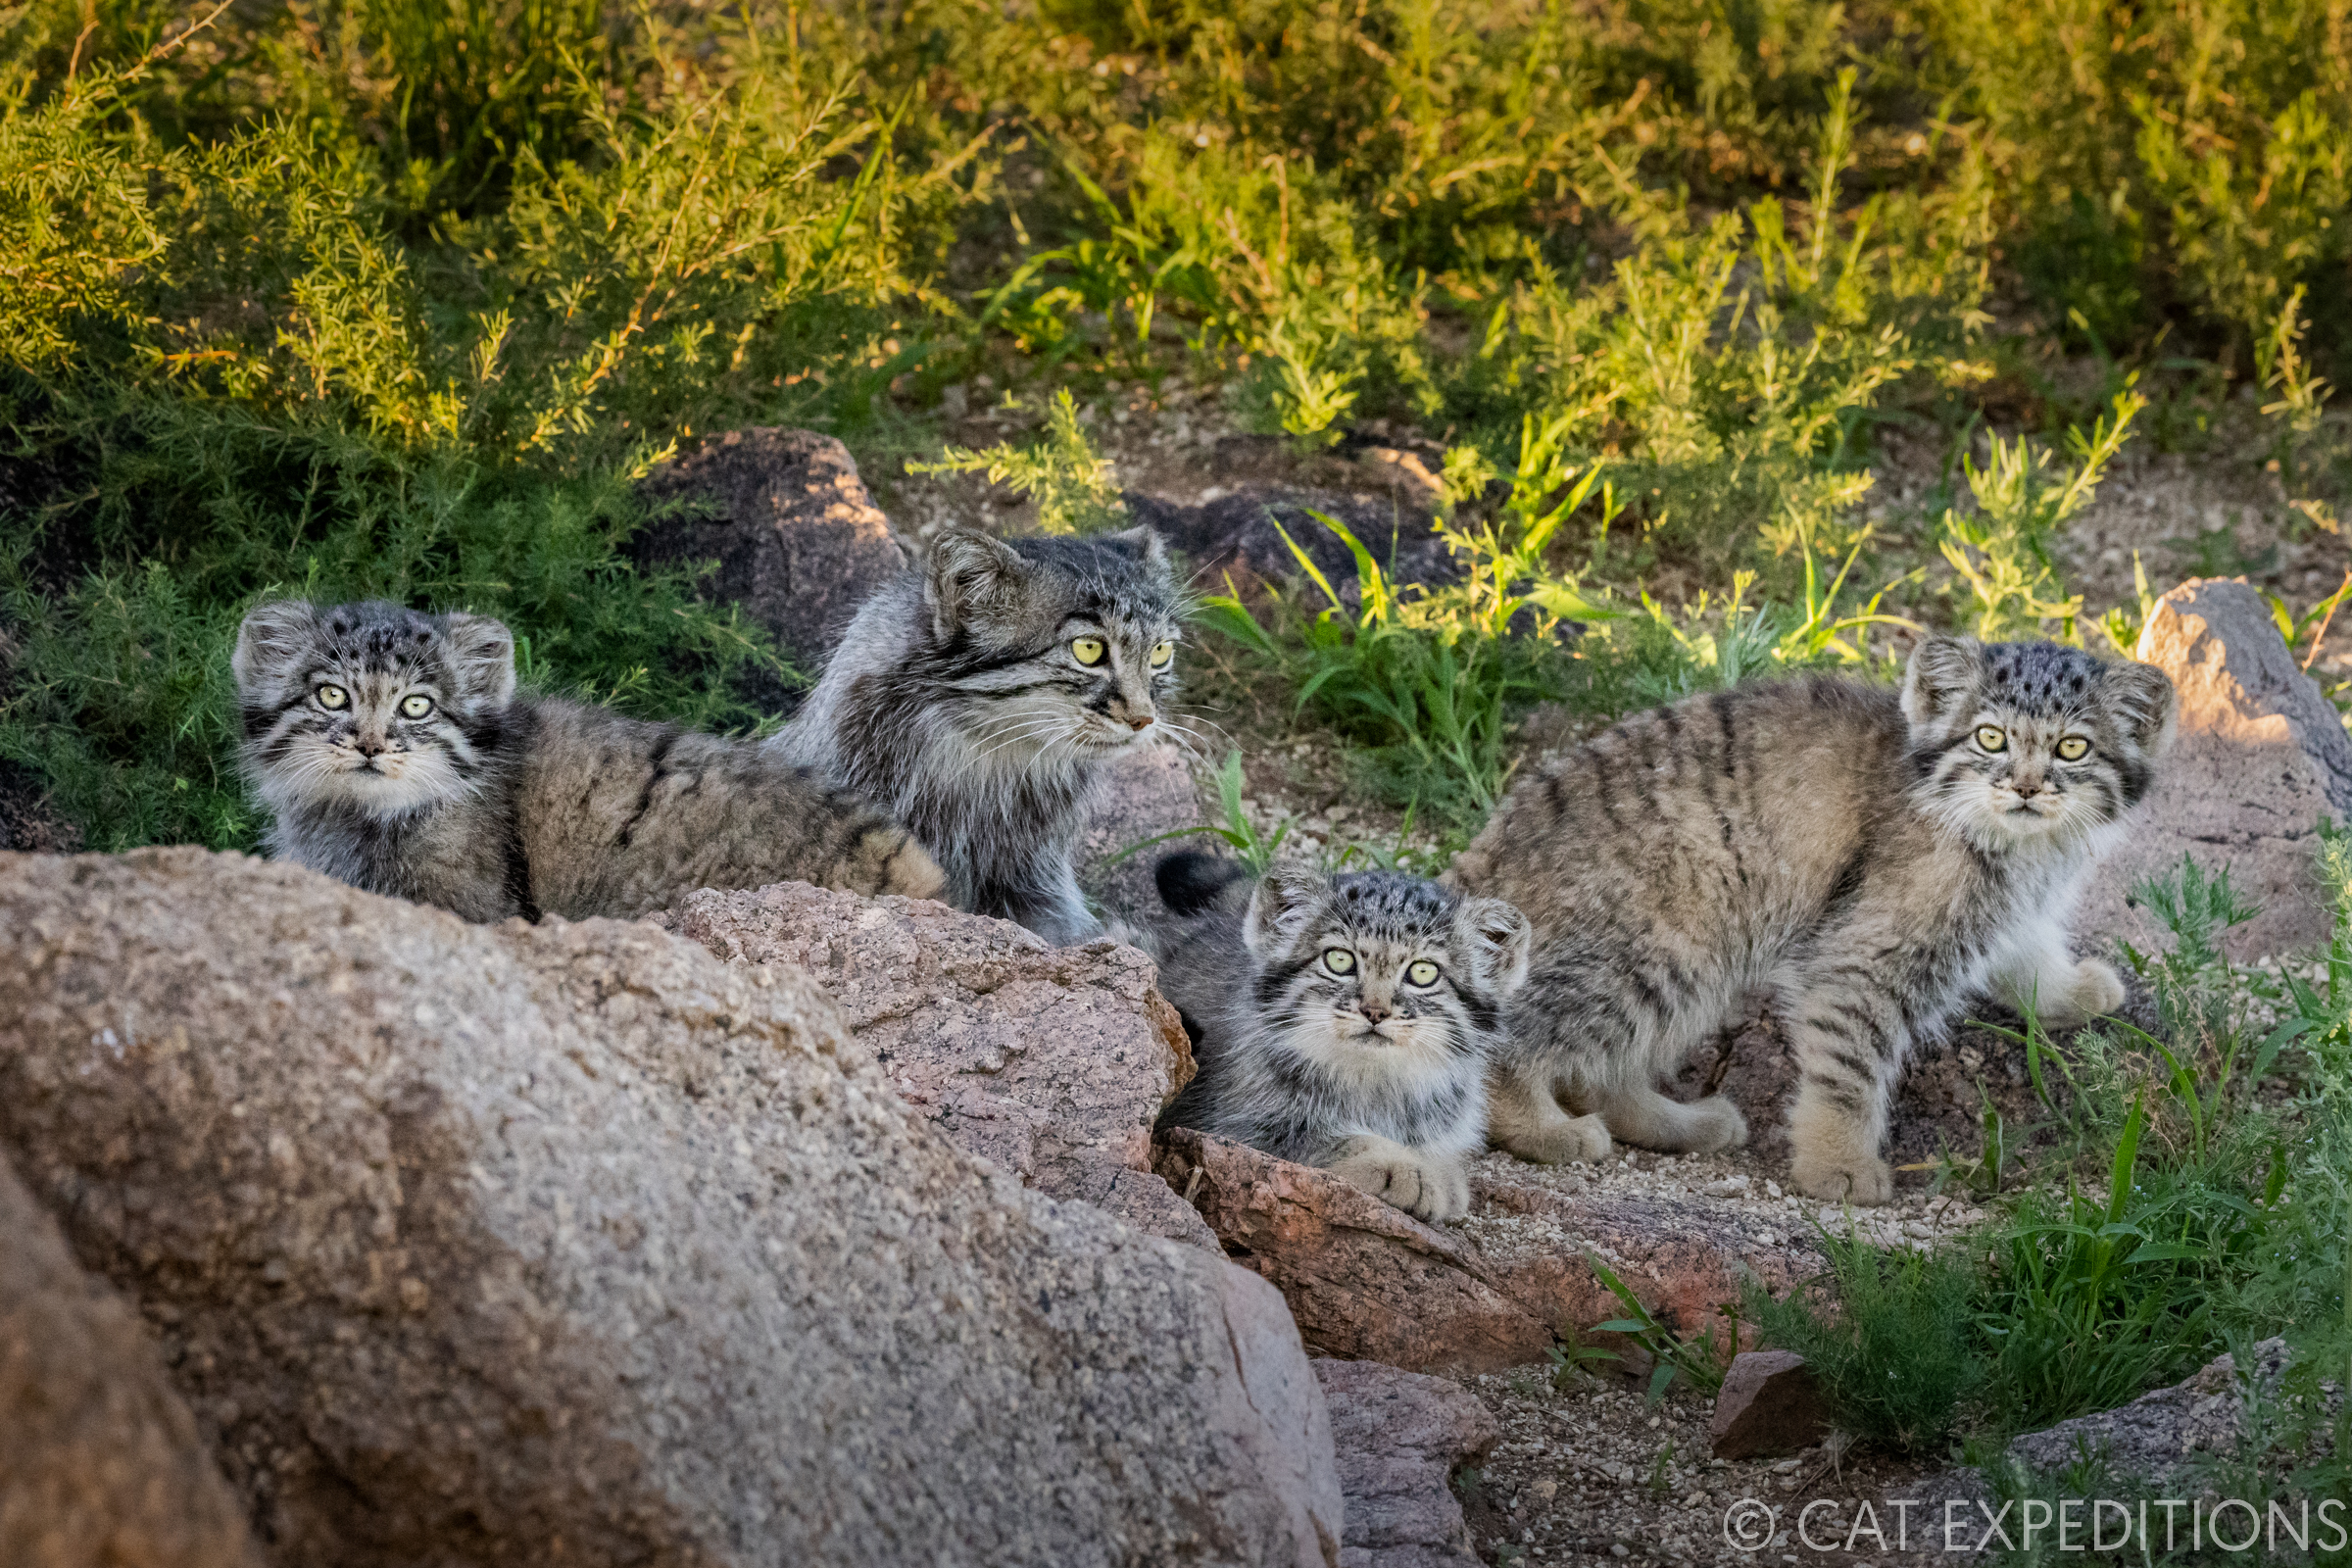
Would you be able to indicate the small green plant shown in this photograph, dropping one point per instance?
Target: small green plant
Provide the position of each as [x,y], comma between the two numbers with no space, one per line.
[1256,849]
[1701,1362]
[1073,487]
[2001,552]
[1899,1359]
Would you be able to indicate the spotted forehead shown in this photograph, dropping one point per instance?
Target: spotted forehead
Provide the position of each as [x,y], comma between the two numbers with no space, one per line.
[371,646]
[2041,679]
[1384,905]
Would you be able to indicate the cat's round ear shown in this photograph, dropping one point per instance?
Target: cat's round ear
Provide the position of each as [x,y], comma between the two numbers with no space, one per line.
[969,574]
[1941,678]
[1500,941]
[1147,542]
[1285,901]
[276,637]
[482,651]
[2144,702]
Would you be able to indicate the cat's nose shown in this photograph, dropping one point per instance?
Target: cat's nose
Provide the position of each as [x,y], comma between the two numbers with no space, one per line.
[1373,1011]
[2027,788]
[1139,721]
[370,746]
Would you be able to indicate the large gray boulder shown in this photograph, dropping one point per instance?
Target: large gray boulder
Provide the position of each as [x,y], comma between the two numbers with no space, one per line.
[1052,1061]
[799,541]
[572,1243]
[100,1464]
[2260,756]
[1401,1437]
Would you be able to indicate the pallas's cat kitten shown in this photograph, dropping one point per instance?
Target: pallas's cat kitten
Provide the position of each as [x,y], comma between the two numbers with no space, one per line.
[1342,1021]
[1874,858]
[396,754]
[978,696]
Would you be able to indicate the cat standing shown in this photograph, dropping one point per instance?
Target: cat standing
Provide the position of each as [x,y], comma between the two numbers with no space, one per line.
[1873,857]
[1340,1021]
[978,696]
[395,754]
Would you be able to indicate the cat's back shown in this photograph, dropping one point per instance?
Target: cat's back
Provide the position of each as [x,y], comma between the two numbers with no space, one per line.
[620,816]
[1747,800]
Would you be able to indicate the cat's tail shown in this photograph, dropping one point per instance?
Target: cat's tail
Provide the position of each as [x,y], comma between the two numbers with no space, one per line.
[1196,882]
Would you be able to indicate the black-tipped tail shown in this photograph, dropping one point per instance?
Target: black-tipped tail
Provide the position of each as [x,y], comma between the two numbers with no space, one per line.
[1195,881]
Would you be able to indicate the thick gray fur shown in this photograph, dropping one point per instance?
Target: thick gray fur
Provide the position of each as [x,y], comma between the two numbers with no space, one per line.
[956,701]
[493,804]
[1864,853]
[1365,1073]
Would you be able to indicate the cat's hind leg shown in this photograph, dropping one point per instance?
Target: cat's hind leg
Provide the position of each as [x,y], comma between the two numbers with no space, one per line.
[1429,1187]
[1643,1116]
[1524,1117]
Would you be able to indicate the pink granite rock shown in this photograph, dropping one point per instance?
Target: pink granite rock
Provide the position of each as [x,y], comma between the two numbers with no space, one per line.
[1052,1061]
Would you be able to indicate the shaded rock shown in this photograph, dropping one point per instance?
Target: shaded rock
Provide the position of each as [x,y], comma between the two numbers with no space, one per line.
[799,544]
[569,1242]
[2140,1445]
[100,1461]
[2156,1433]
[1683,1258]
[1769,1403]
[1369,1282]
[1241,532]
[1146,791]
[2260,756]
[1052,1061]
[1364,1280]
[1399,1437]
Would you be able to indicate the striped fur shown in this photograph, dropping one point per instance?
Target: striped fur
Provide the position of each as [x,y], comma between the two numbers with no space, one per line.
[957,700]
[490,805]
[1317,1040]
[1874,858]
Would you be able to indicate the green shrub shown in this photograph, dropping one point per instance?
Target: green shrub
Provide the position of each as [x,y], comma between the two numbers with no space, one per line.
[1900,1358]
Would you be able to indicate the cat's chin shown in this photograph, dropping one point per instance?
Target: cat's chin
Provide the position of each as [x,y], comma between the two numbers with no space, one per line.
[383,794]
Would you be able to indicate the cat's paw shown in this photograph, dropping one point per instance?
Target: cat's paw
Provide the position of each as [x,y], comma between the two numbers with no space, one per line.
[1716,1125]
[2097,989]
[1427,1187]
[1561,1140]
[891,861]
[1848,1177]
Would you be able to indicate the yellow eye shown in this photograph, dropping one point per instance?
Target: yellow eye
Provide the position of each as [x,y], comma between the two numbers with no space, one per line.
[1339,960]
[1993,738]
[415,706]
[1088,650]
[2073,749]
[1161,655]
[333,697]
[1422,972]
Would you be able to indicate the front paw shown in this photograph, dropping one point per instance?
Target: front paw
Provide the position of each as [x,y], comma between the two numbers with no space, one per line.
[1430,1190]
[2097,990]
[1863,1180]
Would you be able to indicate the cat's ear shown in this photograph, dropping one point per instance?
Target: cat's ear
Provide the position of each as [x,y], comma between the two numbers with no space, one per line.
[1500,941]
[1286,900]
[2144,702]
[275,638]
[483,652]
[1941,678]
[1147,542]
[970,575]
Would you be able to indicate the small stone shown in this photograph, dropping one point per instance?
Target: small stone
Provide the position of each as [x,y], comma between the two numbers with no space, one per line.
[1769,1403]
